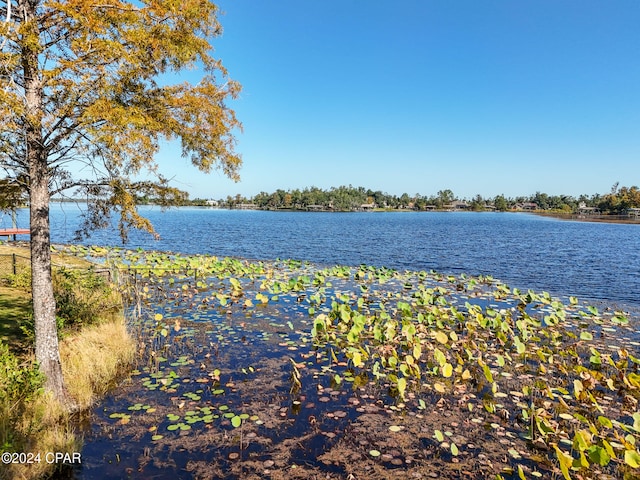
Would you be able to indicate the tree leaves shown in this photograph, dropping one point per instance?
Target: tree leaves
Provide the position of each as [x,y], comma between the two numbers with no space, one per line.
[100,102]
[11,194]
[80,85]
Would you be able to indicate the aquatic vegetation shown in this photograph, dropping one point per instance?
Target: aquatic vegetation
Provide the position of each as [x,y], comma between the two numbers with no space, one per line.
[414,356]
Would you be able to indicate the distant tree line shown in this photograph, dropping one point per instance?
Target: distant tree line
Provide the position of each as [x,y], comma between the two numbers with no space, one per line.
[620,200]
[350,198]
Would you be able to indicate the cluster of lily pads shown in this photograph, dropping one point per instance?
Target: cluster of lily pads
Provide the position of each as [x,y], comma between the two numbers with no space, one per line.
[558,373]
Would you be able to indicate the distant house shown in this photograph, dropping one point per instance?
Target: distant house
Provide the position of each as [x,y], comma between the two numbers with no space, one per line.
[367,206]
[457,205]
[526,206]
[212,203]
[633,212]
[584,210]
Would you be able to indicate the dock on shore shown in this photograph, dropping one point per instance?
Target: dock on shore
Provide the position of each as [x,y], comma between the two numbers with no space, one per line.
[12,232]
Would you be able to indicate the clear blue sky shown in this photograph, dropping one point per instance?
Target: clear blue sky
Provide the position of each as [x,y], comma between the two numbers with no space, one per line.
[481,97]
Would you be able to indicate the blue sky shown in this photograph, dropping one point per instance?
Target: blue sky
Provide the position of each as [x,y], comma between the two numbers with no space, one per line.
[481,97]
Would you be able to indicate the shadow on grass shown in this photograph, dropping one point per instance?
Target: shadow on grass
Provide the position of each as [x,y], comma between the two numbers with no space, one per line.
[15,307]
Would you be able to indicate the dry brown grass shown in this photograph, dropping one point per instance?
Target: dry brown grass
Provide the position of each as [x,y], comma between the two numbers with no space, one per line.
[93,358]
[59,259]
[46,424]
[8,248]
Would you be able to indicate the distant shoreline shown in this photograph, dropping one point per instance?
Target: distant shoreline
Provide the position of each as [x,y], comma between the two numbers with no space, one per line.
[591,218]
[575,217]
[561,216]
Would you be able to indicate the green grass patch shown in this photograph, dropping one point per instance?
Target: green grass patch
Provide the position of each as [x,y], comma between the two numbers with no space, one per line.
[15,307]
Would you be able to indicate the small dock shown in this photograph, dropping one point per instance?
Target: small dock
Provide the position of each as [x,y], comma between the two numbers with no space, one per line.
[12,232]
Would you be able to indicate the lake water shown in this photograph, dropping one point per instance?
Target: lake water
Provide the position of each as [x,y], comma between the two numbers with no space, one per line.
[223,359]
[596,261]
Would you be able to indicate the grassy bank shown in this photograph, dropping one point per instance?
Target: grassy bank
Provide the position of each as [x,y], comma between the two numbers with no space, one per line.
[95,349]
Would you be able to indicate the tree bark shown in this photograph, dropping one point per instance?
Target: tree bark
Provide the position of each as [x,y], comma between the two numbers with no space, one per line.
[44,305]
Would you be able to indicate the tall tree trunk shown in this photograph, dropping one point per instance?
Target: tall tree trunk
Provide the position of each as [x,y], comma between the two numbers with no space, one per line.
[44,305]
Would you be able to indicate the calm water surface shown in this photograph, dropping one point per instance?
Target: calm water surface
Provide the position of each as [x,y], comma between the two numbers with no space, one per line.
[597,261]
